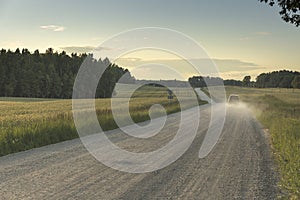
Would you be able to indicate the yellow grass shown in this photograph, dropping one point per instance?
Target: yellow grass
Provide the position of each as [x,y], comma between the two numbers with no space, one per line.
[29,123]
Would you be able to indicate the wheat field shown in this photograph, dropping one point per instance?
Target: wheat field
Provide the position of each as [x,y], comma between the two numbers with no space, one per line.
[29,123]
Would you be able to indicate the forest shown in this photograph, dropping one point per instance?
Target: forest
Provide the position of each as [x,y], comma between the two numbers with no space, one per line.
[51,74]
[275,79]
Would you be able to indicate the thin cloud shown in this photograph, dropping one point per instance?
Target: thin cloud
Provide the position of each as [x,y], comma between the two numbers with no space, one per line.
[245,38]
[86,49]
[227,68]
[129,59]
[78,49]
[103,49]
[262,33]
[235,62]
[255,35]
[53,28]
[224,65]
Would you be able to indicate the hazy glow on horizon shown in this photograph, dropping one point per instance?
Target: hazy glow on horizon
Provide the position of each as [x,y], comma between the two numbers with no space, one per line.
[249,36]
[156,65]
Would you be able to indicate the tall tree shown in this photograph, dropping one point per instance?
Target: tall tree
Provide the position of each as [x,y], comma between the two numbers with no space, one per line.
[247,81]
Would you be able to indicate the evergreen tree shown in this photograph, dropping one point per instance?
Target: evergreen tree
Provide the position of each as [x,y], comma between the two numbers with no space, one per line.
[52,74]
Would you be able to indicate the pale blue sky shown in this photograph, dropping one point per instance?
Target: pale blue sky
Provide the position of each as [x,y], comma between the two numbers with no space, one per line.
[244,30]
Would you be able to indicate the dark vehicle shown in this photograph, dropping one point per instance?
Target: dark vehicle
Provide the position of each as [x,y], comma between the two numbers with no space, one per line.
[233,98]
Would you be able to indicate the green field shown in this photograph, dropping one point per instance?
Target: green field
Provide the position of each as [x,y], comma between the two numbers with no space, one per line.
[30,123]
[279,112]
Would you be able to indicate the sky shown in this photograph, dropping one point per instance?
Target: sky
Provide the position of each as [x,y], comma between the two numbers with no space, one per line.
[242,37]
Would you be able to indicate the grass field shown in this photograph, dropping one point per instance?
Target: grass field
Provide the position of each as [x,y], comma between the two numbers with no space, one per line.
[30,123]
[279,112]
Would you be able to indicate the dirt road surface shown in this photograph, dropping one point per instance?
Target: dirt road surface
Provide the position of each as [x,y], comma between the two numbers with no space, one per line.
[239,167]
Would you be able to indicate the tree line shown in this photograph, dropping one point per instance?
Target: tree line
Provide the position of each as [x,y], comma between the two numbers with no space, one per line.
[51,74]
[200,81]
[275,79]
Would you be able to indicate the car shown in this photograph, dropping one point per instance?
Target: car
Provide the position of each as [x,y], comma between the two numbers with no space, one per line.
[233,99]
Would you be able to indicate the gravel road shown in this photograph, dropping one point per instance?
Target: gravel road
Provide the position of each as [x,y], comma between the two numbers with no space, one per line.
[239,167]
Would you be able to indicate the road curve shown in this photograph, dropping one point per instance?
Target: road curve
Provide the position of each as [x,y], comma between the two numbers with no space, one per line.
[239,167]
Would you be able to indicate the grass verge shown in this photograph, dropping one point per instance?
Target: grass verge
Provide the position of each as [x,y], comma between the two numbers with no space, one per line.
[279,111]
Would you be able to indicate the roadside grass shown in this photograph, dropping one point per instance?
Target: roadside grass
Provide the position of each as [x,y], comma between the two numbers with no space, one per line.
[31,123]
[279,112]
